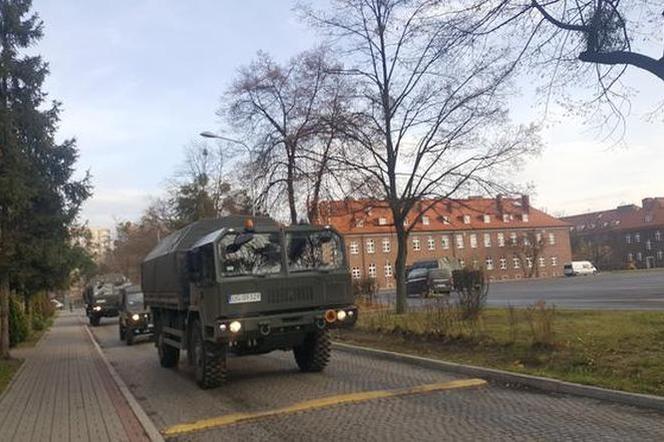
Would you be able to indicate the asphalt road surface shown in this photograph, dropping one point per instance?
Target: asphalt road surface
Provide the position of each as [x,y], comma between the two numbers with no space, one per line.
[358,398]
[637,290]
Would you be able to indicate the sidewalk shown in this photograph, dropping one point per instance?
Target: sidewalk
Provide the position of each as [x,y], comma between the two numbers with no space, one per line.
[64,392]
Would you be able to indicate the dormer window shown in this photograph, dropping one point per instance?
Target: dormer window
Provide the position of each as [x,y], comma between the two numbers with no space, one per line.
[486,218]
[506,218]
[466,219]
[425,220]
[446,219]
[359,223]
[405,221]
[524,217]
[382,221]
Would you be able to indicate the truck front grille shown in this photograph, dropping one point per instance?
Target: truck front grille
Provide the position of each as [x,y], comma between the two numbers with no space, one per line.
[289,295]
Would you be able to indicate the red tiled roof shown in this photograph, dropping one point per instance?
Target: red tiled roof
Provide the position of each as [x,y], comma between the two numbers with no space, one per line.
[364,216]
[627,217]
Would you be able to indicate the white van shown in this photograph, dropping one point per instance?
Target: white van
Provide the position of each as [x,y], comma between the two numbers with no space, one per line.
[575,268]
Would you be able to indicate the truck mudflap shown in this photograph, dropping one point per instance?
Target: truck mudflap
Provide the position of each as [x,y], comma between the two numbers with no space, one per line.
[243,328]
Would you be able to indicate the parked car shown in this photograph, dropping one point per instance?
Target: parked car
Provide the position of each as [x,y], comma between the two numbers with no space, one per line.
[425,281]
[576,268]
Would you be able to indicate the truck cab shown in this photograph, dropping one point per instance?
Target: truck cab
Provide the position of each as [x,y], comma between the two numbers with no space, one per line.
[249,286]
[134,319]
[101,297]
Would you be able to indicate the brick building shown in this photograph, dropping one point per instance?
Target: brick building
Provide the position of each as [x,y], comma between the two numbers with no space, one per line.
[506,236]
[624,237]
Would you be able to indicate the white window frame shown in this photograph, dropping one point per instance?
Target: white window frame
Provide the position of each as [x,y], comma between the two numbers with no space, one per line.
[554,261]
[486,218]
[489,263]
[425,220]
[356,272]
[513,238]
[387,268]
[506,217]
[417,246]
[516,262]
[542,261]
[552,239]
[371,246]
[431,243]
[354,248]
[387,245]
[487,240]
[503,263]
[500,236]
[466,219]
[637,238]
[628,238]
[458,241]
[473,241]
[382,221]
[445,242]
[372,271]
[529,262]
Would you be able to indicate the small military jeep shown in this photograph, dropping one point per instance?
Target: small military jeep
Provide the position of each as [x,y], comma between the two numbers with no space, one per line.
[134,318]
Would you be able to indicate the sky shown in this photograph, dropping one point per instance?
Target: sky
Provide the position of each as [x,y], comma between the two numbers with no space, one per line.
[140,79]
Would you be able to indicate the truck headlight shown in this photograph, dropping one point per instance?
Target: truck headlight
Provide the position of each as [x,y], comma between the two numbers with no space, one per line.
[96,308]
[135,316]
[341,315]
[235,326]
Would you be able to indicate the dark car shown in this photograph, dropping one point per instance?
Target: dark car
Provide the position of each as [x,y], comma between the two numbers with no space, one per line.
[134,317]
[428,281]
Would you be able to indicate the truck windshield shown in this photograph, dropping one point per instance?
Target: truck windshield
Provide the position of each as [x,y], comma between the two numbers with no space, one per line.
[135,300]
[260,255]
[313,251]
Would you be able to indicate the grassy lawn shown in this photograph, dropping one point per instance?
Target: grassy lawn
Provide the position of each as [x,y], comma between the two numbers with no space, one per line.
[621,350]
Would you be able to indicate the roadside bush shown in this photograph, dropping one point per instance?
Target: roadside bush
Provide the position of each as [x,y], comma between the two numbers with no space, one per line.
[19,328]
[41,306]
[513,322]
[38,323]
[541,319]
[472,287]
[365,289]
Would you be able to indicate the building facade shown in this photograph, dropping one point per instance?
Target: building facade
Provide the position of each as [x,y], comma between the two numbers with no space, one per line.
[628,236]
[98,242]
[505,236]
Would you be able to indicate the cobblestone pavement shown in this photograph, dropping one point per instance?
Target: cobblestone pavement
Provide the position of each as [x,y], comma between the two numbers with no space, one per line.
[64,392]
[272,381]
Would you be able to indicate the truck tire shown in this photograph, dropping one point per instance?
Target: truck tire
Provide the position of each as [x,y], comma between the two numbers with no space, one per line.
[94,321]
[314,353]
[168,356]
[129,336]
[209,360]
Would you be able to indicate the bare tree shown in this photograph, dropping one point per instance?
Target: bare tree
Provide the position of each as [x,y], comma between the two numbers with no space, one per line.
[528,248]
[287,112]
[430,114]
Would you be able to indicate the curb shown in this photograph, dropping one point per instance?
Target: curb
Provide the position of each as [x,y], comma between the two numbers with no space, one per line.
[147,424]
[501,376]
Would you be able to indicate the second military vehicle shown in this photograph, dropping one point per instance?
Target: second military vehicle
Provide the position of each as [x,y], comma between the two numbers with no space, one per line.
[101,296]
[134,318]
[246,286]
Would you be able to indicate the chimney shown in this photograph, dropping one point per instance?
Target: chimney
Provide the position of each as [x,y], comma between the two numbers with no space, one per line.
[499,204]
[525,203]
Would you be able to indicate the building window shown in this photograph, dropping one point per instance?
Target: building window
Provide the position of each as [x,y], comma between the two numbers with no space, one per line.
[487,240]
[357,273]
[552,239]
[486,218]
[516,262]
[473,241]
[660,255]
[388,270]
[648,245]
[554,261]
[459,241]
[628,238]
[476,264]
[501,239]
[506,218]
[542,261]
[637,237]
[382,221]
[466,219]
[416,244]
[371,246]
[513,238]
[387,245]
[503,263]
[639,256]
[462,263]
[425,220]
[354,248]
[524,217]
[630,257]
[529,262]
[431,243]
[445,241]
[372,271]
[658,236]
[526,240]
[538,237]
[446,219]
[489,263]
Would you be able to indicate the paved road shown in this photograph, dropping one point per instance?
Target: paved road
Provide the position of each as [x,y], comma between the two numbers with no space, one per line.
[270,382]
[612,290]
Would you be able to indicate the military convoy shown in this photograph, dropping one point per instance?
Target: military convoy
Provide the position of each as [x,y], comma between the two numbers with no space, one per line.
[246,286]
[101,296]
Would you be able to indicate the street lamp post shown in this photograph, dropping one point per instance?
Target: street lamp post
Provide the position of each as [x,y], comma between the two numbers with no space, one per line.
[208,134]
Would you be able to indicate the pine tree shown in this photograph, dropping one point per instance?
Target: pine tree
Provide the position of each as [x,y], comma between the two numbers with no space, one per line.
[39,199]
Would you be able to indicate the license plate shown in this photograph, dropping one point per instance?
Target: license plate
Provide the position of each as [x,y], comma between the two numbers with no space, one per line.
[240,298]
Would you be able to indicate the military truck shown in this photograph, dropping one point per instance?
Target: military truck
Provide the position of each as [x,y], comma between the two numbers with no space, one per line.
[134,319]
[246,286]
[102,295]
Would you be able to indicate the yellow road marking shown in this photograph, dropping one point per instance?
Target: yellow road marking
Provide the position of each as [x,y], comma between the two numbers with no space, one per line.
[314,404]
